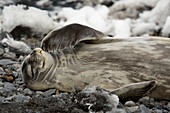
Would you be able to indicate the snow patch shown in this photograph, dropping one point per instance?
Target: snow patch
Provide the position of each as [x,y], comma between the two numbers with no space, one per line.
[32,17]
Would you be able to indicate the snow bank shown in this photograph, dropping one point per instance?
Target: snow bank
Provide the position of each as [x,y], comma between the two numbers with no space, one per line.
[158,14]
[93,17]
[34,18]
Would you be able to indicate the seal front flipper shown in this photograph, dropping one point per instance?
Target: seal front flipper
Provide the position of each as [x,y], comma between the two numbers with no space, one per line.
[134,91]
[71,35]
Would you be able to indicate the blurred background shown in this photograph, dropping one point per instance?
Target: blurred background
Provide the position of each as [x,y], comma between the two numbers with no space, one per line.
[25,19]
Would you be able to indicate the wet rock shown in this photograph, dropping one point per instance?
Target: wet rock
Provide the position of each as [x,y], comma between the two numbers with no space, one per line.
[9,55]
[21,98]
[142,109]
[9,86]
[49,92]
[8,76]
[129,103]
[1,51]
[27,91]
[5,62]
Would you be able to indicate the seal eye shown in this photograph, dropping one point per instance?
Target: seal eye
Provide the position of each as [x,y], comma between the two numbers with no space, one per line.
[41,52]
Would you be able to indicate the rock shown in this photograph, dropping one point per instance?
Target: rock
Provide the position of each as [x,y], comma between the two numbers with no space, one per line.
[9,55]
[5,62]
[96,99]
[9,86]
[27,91]
[8,76]
[115,110]
[49,92]
[6,49]
[142,109]
[133,108]
[1,84]
[144,100]
[1,71]
[129,103]
[1,51]
[158,111]
[21,98]
[168,104]
[2,100]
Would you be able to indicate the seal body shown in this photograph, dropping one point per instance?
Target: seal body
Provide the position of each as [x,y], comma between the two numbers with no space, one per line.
[107,65]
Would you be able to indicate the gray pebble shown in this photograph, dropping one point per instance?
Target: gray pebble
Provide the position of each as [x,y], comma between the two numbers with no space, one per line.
[21,98]
[49,92]
[1,84]
[129,103]
[133,108]
[142,109]
[9,55]
[27,91]
[144,100]
[1,51]
[2,100]
[9,86]
[158,111]
[168,104]
[1,70]
[4,62]
[115,110]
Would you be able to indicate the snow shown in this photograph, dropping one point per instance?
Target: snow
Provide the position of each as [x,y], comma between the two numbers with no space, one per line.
[34,18]
[19,45]
[166,28]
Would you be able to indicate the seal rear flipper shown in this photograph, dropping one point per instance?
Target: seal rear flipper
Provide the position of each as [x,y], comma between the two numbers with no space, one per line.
[134,91]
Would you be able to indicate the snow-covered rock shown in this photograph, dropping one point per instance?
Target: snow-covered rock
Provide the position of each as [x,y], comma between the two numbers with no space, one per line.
[32,17]
[166,28]
[18,45]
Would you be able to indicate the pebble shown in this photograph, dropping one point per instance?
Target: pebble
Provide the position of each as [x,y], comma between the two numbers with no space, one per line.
[49,92]
[21,98]
[115,110]
[6,50]
[5,62]
[9,86]
[27,91]
[1,84]
[144,100]
[133,108]
[1,51]
[142,109]
[129,103]
[2,100]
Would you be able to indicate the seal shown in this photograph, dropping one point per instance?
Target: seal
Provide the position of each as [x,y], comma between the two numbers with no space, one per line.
[86,58]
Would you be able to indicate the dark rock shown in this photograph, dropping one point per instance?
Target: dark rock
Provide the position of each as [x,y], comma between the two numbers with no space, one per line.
[129,103]
[142,109]
[1,51]
[2,100]
[9,55]
[9,86]
[27,91]
[5,62]
[21,98]
[49,92]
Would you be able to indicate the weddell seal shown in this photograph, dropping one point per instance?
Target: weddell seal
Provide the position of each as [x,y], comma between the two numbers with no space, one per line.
[77,55]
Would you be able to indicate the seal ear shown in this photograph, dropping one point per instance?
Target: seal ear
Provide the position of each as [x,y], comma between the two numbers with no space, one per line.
[69,36]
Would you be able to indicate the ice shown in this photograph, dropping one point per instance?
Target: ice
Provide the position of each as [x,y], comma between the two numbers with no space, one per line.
[32,17]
